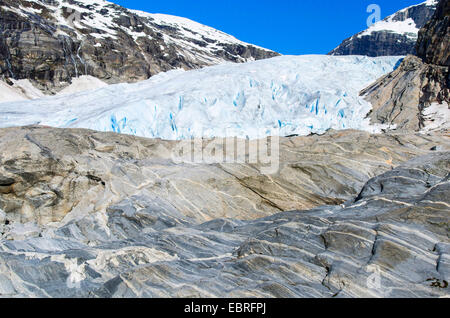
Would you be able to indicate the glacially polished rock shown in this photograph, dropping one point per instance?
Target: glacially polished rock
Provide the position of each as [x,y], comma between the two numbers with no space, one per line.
[369,217]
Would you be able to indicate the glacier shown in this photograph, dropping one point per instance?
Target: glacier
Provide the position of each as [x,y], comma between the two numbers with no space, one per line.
[287,95]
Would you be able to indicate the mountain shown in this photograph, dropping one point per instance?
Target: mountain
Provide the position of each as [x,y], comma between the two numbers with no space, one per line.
[416,96]
[311,95]
[50,42]
[343,212]
[395,35]
[433,45]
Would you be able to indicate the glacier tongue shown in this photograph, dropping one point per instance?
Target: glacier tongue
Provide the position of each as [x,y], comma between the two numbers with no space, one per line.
[278,96]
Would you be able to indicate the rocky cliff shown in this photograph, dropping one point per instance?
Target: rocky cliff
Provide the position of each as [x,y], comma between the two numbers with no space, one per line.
[50,42]
[396,35]
[416,95]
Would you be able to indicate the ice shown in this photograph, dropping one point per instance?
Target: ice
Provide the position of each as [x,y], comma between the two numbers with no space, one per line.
[280,96]
[18,231]
[25,90]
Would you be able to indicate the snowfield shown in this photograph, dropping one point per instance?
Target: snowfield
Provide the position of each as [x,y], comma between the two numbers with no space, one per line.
[279,96]
[97,18]
[20,90]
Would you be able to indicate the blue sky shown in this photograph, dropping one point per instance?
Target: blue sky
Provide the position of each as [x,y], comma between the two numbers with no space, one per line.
[286,26]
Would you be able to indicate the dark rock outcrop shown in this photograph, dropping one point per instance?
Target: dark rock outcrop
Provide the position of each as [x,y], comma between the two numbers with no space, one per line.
[50,42]
[402,97]
[380,42]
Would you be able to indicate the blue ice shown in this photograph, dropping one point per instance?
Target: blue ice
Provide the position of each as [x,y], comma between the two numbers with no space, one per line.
[180,103]
[114,126]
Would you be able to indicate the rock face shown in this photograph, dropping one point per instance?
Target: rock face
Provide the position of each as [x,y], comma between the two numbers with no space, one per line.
[88,214]
[51,42]
[402,97]
[394,36]
[286,95]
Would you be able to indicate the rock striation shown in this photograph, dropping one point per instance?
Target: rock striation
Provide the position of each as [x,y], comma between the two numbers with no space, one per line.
[50,42]
[90,214]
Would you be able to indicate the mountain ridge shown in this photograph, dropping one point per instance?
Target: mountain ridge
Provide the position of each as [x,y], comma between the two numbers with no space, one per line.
[395,35]
[50,42]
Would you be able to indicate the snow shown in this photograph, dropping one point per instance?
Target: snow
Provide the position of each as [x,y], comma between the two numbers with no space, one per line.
[24,89]
[407,27]
[189,33]
[190,29]
[21,90]
[9,93]
[279,96]
[429,3]
[436,117]
[83,83]
[93,18]
[27,89]
[193,40]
